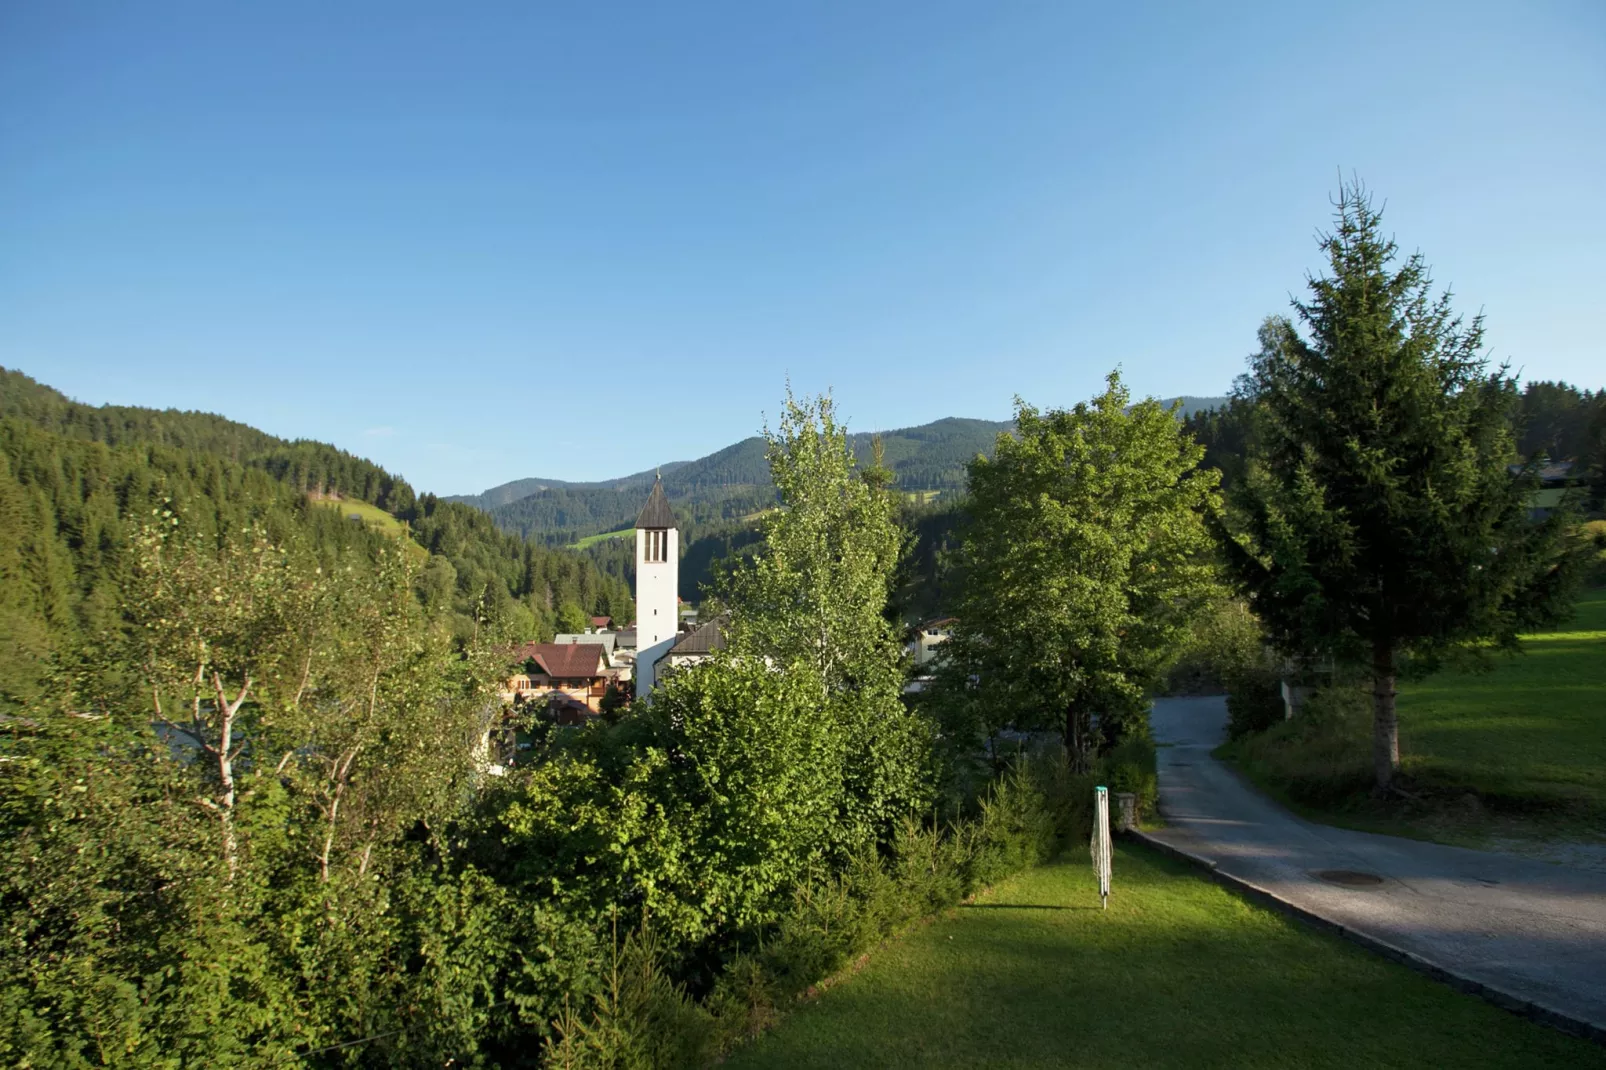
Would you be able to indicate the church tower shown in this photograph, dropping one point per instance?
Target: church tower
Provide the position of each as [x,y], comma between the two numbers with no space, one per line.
[657,586]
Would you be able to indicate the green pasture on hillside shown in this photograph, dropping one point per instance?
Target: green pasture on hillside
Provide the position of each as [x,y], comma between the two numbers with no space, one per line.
[1177,973]
[592,540]
[375,518]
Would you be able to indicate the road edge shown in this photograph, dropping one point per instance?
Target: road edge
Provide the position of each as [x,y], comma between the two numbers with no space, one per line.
[1526,1008]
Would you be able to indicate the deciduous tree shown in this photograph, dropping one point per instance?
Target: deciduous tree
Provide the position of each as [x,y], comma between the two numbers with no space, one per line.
[1085,555]
[816,593]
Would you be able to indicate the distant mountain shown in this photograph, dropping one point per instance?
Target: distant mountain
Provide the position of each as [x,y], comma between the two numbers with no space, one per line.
[734,482]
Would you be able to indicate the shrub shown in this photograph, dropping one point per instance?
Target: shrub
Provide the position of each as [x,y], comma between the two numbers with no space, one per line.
[1254,701]
[641,1019]
[1225,639]
[1131,766]
[1595,567]
[1322,756]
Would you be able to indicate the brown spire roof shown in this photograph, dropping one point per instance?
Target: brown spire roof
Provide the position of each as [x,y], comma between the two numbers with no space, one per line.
[656,513]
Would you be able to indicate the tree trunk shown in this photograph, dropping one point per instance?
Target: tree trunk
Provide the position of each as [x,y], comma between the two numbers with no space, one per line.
[225,754]
[1075,739]
[1385,721]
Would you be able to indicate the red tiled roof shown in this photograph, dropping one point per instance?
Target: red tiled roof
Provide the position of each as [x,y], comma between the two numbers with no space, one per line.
[601,622]
[567,660]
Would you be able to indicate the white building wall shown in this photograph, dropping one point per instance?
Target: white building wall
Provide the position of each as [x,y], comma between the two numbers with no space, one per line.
[657,607]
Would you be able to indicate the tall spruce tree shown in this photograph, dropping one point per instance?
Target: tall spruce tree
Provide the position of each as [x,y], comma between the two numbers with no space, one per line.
[1381,517]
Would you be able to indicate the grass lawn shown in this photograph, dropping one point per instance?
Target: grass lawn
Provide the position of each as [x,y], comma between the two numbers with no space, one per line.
[1533,728]
[1517,752]
[1178,972]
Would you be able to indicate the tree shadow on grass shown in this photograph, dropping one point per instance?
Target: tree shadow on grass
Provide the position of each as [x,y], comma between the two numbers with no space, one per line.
[1020,906]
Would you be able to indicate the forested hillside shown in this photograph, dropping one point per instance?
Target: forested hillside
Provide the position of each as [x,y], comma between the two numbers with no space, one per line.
[1555,420]
[77,482]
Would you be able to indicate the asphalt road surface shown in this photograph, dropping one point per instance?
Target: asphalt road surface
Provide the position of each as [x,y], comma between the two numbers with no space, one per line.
[1531,929]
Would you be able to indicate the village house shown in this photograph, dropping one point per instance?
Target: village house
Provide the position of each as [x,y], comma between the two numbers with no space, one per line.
[571,678]
[928,640]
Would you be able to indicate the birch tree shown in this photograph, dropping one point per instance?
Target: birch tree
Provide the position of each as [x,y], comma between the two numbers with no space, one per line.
[816,592]
[211,632]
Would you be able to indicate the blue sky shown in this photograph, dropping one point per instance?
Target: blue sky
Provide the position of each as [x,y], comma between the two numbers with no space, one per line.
[480,242]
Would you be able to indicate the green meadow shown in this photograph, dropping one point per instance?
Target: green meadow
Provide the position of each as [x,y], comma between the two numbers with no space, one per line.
[1178,972]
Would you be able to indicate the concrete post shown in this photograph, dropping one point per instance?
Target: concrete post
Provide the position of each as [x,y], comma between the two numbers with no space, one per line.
[1126,815]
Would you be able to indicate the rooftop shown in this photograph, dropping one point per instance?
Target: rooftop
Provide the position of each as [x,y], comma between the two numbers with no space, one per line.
[566,660]
[704,639]
[656,513]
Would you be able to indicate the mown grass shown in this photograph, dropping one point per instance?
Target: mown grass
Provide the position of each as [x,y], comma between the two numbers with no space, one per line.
[1519,750]
[1178,972]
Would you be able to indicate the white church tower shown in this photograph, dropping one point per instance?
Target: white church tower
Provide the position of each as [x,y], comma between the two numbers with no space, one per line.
[657,586]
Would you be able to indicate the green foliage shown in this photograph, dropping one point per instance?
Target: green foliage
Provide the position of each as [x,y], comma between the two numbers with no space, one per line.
[817,589]
[1223,641]
[642,1018]
[930,577]
[1556,420]
[1319,758]
[1553,419]
[572,618]
[303,465]
[723,798]
[1086,559]
[832,919]
[75,481]
[245,817]
[260,876]
[814,600]
[1254,700]
[1131,765]
[1224,433]
[1379,517]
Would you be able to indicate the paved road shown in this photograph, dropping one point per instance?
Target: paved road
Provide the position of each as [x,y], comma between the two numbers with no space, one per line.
[1531,929]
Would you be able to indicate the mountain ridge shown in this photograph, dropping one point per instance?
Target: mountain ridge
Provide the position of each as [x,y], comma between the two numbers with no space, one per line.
[679,473]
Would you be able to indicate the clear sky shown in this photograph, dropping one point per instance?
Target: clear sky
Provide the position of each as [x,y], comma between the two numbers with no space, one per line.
[477,242]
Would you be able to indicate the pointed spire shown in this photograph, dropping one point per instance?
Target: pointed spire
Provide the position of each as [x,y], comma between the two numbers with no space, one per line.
[656,513]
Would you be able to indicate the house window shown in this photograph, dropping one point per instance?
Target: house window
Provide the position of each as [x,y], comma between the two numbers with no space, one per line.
[657,545]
